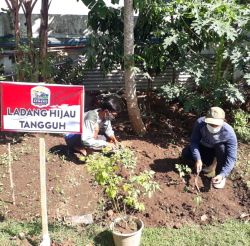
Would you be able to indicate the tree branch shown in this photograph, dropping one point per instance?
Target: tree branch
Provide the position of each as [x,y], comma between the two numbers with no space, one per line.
[20,4]
[24,10]
[49,4]
[9,6]
[33,5]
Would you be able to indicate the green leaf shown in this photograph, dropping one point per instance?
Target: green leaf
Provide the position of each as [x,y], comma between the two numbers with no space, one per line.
[115,1]
[89,3]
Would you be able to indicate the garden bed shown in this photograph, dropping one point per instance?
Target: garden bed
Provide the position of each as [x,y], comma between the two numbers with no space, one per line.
[71,190]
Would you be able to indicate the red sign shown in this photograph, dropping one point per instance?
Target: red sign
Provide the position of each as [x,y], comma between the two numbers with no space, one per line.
[40,107]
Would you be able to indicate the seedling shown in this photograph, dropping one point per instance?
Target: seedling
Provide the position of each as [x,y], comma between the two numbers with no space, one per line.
[63,158]
[59,190]
[197,201]
[248,184]
[4,159]
[186,188]
[183,170]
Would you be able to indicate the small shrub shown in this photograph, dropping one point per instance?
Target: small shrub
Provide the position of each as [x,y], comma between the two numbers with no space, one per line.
[115,173]
[66,70]
[241,124]
[171,92]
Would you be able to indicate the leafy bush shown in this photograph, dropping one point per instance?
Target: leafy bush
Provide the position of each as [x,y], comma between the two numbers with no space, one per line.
[198,98]
[66,70]
[241,124]
[170,92]
[115,173]
[211,40]
[247,77]
[27,67]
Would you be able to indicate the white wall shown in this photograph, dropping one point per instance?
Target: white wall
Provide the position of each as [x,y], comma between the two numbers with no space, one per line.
[69,7]
[58,7]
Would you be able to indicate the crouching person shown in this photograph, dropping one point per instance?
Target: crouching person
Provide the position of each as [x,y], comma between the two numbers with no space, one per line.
[97,129]
[213,146]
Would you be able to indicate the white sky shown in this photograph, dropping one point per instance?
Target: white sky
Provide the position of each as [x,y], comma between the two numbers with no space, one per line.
[70,7]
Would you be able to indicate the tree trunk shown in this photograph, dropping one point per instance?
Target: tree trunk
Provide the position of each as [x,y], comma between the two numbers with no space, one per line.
[28,6]
[29,36]
[43,36]
[18,54]
[16,24]
[129,75]
[14,6]
[28,15]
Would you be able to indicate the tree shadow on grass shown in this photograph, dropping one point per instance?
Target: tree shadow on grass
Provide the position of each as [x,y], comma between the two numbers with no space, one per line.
[64,152]
[33,230]
[104,238]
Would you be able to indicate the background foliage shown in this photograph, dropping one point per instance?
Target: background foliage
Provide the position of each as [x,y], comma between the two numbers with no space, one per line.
[206,39]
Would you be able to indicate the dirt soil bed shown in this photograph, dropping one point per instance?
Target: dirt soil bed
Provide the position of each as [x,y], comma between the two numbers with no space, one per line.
[71,190]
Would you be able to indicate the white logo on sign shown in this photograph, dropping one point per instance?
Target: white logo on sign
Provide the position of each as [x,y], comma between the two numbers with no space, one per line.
[40,96]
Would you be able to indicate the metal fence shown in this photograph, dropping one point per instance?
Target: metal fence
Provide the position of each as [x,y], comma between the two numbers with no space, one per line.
[94,80]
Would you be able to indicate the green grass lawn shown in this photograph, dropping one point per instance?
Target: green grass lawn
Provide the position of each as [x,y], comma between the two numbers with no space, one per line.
[229,233]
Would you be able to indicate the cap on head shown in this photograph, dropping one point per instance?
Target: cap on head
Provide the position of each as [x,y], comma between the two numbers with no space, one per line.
[215,116]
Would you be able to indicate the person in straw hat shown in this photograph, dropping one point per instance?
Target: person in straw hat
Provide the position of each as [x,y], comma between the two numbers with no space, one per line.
[213,146]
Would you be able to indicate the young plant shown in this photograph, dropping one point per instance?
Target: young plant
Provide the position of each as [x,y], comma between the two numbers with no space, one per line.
[4,159]
[197,201]
[248,184]
[116,174]
[183,170]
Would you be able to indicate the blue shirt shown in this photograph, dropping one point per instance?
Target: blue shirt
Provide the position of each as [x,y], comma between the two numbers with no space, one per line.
[226,135]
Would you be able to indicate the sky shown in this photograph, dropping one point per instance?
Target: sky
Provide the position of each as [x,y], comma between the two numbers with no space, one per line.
[70,7]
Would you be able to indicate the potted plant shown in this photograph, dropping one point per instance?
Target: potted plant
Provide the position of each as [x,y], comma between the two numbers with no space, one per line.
[116,173]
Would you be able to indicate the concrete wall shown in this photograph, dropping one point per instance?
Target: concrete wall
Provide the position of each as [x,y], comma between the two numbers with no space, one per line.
[59,25]
[5,25]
